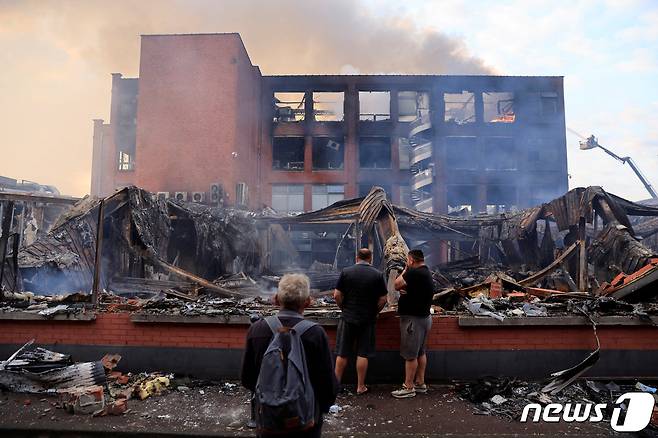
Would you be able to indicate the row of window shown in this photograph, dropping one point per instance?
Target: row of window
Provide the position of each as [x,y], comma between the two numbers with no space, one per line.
[329,153]
[374,106]
[289,198]
[463,153]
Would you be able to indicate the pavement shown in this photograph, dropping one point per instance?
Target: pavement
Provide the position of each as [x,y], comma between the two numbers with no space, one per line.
[222,410]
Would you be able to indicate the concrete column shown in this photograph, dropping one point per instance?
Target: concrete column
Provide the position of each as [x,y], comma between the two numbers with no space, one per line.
[308,155]
[351,140]
[395,136]
[481,203]
[308,197]
[479,107]
[308,109]
[437,111]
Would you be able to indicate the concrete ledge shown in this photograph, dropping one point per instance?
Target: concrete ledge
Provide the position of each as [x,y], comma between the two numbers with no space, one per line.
[29,316]
[201,319]
[485,321]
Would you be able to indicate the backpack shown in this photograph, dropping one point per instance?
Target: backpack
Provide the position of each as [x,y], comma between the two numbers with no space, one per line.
[284,398]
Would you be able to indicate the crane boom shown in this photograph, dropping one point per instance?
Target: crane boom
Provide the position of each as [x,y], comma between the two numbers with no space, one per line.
[638,172]
[592,143]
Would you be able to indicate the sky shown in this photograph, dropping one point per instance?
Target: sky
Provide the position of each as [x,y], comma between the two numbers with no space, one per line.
[57,57]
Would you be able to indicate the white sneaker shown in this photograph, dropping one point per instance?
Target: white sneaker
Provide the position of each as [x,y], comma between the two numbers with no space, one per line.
[404,392]
[421,389]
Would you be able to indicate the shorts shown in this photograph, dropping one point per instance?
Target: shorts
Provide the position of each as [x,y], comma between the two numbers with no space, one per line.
[413,334]
[355,337]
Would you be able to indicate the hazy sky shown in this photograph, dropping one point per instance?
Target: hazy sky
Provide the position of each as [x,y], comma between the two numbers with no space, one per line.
[57,56]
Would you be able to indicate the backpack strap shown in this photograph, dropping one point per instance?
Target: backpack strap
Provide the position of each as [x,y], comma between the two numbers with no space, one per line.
[274,323]
[303,325]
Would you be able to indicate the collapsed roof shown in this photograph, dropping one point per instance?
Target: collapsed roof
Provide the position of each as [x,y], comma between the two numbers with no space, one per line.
[149,238]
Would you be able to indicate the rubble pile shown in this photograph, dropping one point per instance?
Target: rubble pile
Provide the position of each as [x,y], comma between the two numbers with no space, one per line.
[44,305]
[509,397]
[188,259]
[87,388]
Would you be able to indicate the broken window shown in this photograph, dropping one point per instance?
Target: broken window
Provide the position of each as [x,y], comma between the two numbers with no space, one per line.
[499,153]
[289,107]
[459,107]
[364,189]
[375,153]
[328,153]
[328,107]
[501,199]
[326,194]
[548,102]
[288,198]
[288,153]
[125,161]
[461,198]
[413,105]
[374,106]
[498,107]
[462,153]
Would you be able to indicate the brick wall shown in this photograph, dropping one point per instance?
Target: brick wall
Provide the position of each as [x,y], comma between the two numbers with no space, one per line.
[194,111]
[117,329]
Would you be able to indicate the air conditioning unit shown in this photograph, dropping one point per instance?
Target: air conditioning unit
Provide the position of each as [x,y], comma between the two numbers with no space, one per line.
[216,193]
[199,197]
[241,193]
[162,196]
[331,144]
[180,196]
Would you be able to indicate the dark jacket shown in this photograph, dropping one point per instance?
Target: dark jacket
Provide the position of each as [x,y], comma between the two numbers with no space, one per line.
[318,357]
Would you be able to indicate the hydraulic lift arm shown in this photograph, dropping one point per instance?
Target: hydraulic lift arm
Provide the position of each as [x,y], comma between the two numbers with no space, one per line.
[592,143]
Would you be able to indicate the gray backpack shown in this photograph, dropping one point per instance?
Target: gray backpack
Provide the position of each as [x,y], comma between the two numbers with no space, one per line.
[284,397]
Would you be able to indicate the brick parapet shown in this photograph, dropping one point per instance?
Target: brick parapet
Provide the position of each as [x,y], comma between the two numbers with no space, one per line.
[446,334]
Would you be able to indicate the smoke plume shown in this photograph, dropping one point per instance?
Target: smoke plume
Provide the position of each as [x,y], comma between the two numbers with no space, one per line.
[57,56]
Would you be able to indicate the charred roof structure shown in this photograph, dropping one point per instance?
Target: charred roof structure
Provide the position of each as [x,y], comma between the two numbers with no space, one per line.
[582,242]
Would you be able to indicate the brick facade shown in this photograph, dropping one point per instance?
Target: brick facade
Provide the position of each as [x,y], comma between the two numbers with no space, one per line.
[203,114]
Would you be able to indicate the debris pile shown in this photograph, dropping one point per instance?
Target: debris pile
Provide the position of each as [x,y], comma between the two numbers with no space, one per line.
[37,370]
[509,397]
[161,256]
[87,388]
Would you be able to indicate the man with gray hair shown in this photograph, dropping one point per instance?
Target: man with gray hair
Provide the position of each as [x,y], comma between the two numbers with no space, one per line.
[292,297]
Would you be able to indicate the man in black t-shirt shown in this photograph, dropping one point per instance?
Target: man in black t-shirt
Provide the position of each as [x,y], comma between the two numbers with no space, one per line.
[416,291]
[361,294]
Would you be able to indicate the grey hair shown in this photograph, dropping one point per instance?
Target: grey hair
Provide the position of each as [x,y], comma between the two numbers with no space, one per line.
[294,290]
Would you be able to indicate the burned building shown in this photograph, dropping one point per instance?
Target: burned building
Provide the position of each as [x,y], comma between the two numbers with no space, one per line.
[203,124]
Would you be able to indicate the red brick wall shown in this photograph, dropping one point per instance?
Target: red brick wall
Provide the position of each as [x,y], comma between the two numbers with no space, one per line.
[117,329]
[192,113]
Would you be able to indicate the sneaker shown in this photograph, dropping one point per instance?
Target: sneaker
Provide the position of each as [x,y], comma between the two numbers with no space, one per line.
[421,389]
[404,392]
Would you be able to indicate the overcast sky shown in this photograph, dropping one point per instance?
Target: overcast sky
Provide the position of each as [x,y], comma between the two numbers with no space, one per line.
[57,58]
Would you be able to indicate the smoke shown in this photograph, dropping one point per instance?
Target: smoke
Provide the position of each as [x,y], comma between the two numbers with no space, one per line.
[57,56]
